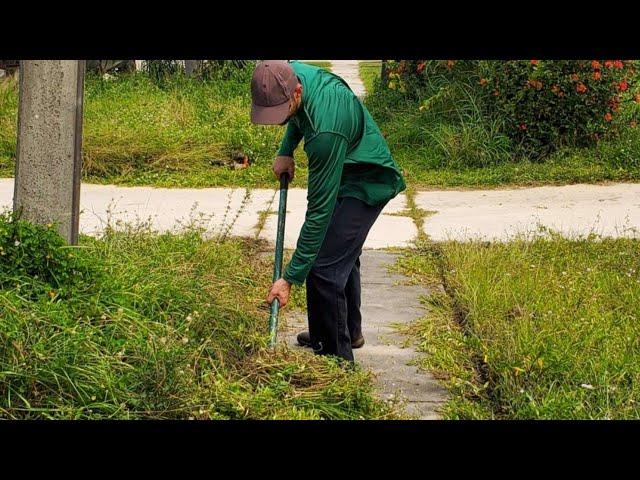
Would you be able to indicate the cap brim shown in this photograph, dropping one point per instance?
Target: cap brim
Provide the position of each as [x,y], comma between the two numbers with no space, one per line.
[269,115]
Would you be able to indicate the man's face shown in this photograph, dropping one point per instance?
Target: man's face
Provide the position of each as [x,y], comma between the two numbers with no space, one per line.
[294,103]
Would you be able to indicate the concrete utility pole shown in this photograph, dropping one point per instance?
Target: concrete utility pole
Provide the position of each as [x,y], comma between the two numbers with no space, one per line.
[190,67]
[49,150]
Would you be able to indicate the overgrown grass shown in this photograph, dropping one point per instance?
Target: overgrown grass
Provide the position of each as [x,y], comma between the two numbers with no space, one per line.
[443,142]
[139,133]
[319,63]
[143,325]
[369,73]
[8,124]
[184,133]
[539,328]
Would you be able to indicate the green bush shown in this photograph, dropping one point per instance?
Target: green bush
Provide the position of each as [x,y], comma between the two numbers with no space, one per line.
[438,112]
[541,105]
[551,104]
[40,259]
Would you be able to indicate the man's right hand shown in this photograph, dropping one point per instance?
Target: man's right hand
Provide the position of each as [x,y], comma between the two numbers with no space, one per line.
[284,164]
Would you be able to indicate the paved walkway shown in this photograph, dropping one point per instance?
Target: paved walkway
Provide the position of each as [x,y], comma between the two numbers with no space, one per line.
[387,301]
[349,70]
[610,210]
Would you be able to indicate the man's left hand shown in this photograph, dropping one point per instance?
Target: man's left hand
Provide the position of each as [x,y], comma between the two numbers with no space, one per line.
[280,290]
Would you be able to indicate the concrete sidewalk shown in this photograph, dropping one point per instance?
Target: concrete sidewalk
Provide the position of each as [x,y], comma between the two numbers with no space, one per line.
[387,301]
[231,211]
[349,71]
[610,210]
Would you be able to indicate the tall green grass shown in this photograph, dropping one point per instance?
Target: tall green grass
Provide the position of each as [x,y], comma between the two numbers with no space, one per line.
[8,124]
[143,325]
[539,328]
[137,132]
[369,71]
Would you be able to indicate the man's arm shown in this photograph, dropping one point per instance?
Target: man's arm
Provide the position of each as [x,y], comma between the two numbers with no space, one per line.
[326,154]
[284,160]
[290,141]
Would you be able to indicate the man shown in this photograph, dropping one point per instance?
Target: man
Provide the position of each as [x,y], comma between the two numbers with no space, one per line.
[351,178]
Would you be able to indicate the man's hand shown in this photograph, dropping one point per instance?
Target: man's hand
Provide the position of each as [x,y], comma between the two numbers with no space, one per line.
[280,290]
[283,164]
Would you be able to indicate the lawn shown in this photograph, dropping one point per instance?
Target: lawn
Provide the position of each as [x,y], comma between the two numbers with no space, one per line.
[139,325]
[369,73]
[182,133]
[539,328]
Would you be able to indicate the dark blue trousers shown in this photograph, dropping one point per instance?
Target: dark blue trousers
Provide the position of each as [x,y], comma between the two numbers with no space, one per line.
[333,284]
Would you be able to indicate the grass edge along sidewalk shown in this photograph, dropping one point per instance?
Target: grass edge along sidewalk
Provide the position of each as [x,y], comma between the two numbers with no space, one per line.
[539,328]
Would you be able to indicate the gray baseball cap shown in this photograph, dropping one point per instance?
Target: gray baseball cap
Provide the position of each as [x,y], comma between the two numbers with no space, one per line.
[272,85]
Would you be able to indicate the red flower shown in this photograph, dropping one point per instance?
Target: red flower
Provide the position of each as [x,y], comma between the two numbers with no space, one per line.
[483,81]
[614,103]
[523,126]
[420,68]
[595,64]
[534,62]
[597,75]
[574,77]
[608,117]
[581,88]
[537,84]
[495,93]
[622,86]
[608,63]
[618,64]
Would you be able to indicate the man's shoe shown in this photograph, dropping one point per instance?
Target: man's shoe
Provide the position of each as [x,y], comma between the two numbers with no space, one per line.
[358,342]
[304,340]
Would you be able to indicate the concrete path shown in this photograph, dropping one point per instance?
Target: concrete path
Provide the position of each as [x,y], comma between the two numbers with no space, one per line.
[230,211]
[349,70]
[386,302]
[610,210]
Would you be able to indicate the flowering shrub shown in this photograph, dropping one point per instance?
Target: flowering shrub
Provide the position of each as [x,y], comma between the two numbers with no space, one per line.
[542,104]
[549,104]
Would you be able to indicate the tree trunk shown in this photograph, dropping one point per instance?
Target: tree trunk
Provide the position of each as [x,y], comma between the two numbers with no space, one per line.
[384,74]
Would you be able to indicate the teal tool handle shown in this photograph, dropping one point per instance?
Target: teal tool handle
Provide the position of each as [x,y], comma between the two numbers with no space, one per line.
[277,267]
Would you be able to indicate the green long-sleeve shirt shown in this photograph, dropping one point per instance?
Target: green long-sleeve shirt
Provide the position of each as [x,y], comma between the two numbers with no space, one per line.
[348,157]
